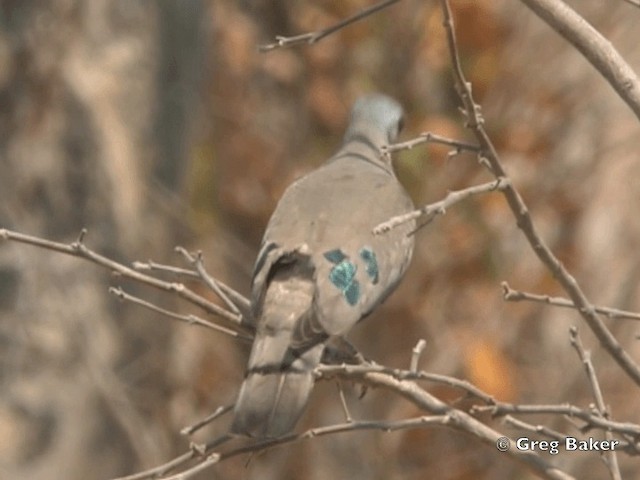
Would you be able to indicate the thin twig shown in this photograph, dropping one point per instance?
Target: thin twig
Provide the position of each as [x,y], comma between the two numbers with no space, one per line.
[415,355]
[431,210]
[263,445]
[191,429]
[330,371]
[212,283]
[592,421]
[314,37]
[237,298]
[512,295]
[190,319]
[585,358]
[428,137]
[196,451]
[343,401]
[540,429]
[161,470]
[150,265]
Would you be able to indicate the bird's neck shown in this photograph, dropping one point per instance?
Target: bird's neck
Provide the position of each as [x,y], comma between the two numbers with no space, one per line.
[367,148]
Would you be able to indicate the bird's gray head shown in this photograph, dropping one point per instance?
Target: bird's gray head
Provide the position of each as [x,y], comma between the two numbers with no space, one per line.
[376,117]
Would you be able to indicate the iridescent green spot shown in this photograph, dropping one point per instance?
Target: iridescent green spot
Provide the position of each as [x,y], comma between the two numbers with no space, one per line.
[335,256]
[342,274]
[371,262]
[352,293]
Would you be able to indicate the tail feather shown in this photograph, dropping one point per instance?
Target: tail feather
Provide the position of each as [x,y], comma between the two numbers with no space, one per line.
[279,379]
[270,404]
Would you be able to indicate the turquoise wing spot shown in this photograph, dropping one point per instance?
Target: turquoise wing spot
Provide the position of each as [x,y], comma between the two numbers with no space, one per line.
[343,276]
[352,293]
[335,256]
[371,262]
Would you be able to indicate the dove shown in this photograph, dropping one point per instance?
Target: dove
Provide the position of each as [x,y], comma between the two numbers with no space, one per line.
[321,269]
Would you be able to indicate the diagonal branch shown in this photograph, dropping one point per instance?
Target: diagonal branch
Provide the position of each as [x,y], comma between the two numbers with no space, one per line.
[314,37]
[523,218]
[591,420]
[238,299]
[539,429]
[431,210]
[211,282]
[80,250]
[594,47]
[212,458]
[511,295]
[438,414]
[585,358]
[186,318]
[353,371]
[191,429]
[459,420]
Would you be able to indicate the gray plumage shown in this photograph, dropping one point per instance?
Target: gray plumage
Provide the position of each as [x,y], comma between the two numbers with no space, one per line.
[320,269]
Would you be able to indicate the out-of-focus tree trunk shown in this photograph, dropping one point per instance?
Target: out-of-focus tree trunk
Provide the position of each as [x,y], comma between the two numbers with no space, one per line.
[93,119]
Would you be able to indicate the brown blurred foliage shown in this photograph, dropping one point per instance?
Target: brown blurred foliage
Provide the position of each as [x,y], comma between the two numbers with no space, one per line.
[158,124]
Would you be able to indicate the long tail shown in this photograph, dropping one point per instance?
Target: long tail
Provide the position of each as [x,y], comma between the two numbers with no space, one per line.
[278,383]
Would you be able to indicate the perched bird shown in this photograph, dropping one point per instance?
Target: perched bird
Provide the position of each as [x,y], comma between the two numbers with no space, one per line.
[321,269]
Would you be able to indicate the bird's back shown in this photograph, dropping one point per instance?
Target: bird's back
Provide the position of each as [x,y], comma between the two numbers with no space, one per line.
[333,211]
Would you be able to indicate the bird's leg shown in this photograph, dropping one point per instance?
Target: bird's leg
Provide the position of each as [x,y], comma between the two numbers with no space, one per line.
[338,350]
[343,401]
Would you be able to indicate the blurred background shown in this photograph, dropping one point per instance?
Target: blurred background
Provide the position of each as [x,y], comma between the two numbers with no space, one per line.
[156,124]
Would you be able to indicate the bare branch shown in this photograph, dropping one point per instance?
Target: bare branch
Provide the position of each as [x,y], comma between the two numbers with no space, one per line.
[80,250]
[343,401]
[440,208]
[330,371]
[416,353]
[237,298]
[211,459]
[314,37]
[161,470]
[521,213]
[191,429]
[190,319]
[440,414]
[585,358]
[512,295]
[592,421]
[373,375]
[594,47]
[212,283]
[428,137]
[385,426]
[539,429]
[457,419]
[150,265]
